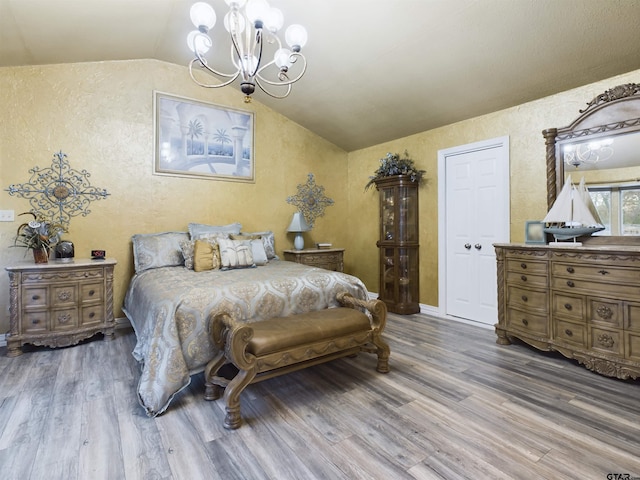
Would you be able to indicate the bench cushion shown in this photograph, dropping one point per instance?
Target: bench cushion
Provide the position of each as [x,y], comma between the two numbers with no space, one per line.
[283,333]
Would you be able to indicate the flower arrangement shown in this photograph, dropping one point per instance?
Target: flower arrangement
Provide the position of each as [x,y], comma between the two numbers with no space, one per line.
[38,234]
[393,164]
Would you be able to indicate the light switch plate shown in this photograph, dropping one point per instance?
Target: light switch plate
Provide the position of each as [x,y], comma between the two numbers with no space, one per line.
[7,216]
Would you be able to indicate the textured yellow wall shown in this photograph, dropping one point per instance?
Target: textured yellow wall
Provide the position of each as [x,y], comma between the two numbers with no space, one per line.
[101,115]
[523,124]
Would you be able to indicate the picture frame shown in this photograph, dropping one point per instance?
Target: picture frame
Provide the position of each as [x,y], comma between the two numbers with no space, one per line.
[202,140]
[534,233]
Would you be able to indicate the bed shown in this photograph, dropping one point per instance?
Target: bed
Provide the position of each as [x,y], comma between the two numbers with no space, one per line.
[169,299]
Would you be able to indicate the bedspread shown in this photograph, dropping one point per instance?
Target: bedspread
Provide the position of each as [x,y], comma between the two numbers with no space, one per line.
[168,309]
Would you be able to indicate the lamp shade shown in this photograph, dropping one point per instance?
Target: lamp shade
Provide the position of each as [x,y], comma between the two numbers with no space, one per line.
[298,223]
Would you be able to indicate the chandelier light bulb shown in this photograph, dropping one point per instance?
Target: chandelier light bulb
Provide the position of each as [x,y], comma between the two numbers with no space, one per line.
[274,20]
[203,16]
[199,42]
[257,10]
[282,58]
[296,37]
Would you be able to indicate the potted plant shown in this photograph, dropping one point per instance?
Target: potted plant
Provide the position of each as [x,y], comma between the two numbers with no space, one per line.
[38,235]
[393,164]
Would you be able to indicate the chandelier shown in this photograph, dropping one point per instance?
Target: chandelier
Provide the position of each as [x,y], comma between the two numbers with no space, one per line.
[589,153]
[249,27]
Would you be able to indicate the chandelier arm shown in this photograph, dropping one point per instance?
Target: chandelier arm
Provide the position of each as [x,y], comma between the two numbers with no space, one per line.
[283,75]
[286,94]
[231,77]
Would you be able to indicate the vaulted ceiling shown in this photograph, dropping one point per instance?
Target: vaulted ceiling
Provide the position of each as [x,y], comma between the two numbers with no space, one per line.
[377,69]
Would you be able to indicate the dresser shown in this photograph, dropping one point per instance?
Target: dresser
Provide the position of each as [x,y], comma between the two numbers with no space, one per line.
[59,304]
[328,258]
[583,302]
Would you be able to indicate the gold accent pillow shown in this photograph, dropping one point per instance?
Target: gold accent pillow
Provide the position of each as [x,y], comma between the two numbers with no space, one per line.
[206,256]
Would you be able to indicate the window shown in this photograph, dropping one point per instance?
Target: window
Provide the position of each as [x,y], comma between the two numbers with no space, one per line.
[619,209]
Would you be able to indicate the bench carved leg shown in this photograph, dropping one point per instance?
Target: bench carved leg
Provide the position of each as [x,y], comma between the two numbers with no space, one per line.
[232,393]
[212,390]
[383,351]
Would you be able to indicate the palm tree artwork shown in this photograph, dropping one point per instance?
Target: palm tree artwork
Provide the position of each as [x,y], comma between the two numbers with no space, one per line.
[222,137]
[195,130]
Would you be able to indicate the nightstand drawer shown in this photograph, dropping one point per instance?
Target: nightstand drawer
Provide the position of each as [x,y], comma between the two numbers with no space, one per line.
[608,341]
[64,319]
[91,292]
[64,295]
[527,322]
[34,322]
[35,297]
[569,332]
[568,306]
[91,315]
[329,259]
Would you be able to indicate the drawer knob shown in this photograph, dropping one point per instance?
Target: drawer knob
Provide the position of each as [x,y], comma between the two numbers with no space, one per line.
[570,269]
[91,292]
[568,332]
[35,321]
[525,322]
[92,314]
[524,298]
[523,278]
[604,312]
[35,297]
[568,306]
[603,272]
[570,284]
[523,265]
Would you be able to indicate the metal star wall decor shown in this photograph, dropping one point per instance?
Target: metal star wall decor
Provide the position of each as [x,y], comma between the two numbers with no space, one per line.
[59,192]
[310,200]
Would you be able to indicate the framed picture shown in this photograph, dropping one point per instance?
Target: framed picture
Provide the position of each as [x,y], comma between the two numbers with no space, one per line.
[534,233]
[202,140]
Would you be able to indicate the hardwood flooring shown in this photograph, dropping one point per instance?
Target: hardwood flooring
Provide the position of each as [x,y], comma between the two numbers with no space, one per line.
[455,405]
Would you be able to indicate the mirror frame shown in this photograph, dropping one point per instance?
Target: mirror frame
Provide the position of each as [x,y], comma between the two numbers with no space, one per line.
[614,112]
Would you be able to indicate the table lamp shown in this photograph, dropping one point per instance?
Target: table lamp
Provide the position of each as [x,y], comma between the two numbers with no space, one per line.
[298,225]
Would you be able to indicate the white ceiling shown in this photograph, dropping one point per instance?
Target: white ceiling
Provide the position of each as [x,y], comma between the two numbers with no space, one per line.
[378,69]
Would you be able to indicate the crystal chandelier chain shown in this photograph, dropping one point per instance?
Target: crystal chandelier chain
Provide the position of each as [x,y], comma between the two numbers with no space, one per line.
[249,29]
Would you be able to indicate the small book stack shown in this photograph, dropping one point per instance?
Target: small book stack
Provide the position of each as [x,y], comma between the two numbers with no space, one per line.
[323,245]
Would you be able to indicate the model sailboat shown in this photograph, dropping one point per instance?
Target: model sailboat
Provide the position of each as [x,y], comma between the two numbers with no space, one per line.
[573,214]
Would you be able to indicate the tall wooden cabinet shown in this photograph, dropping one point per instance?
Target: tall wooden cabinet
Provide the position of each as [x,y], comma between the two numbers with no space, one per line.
[398,244]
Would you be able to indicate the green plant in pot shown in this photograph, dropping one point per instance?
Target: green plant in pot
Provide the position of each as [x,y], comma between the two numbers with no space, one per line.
[394,164]
[39,235]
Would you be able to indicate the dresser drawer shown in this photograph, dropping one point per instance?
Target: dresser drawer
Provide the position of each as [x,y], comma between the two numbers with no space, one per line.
[575,285]
[568,306]
[596,273]
[35,297]
[35,321]
[526,279]
[64,319]
[608,341]
[91,315]
[91,292]
[526,266]
[62,295]
[527,322]
[569,332]
[609,312]
[527,299]
[632,317]
[632,346]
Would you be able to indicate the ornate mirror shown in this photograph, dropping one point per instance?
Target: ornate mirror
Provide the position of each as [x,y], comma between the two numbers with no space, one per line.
[602,145]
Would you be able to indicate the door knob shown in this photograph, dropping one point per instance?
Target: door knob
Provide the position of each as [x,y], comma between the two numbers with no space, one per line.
[467,246]
[478,246]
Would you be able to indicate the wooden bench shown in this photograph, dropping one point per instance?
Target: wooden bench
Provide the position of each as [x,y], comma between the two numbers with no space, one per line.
[280,345]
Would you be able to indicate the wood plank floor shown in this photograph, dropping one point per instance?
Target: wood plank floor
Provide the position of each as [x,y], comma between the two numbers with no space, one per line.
[455,405]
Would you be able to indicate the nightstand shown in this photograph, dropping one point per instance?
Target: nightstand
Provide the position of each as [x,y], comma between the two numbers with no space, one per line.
[58,304]
[328,258]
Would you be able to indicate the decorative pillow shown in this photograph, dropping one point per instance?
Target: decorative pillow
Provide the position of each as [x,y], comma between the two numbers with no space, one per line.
[197,230]
[187,247]
[206,256]
[235,254]
[244,236]
[268,241]
[155,250]
[258,252]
